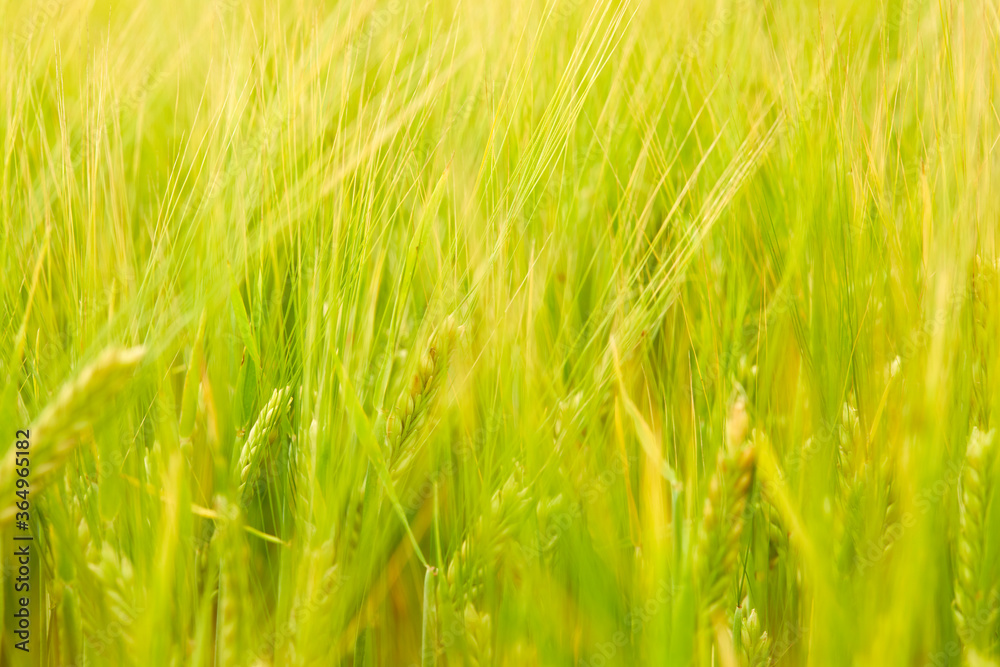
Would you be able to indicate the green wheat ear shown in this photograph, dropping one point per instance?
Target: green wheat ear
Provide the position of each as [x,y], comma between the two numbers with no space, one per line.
[54,433]
[480,553]
[403,423]
[95,384]
[262,434]
[973,605]
[229,550]
[478,640]
[848,520]
[722,520]
[118,601]
[489,539]
[755,645]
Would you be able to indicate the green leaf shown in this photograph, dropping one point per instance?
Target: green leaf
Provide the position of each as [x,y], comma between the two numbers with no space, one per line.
[242,321]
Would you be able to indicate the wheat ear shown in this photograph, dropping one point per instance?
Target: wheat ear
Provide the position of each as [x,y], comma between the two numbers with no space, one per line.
[54,433]
[263,433]
[754,642]
[229,548]
[973,616]
[404,422]
[110,573]
[478,631]
[484,547]
[722,521]
[487,541]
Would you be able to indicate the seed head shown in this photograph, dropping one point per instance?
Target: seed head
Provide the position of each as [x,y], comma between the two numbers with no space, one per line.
[263,431]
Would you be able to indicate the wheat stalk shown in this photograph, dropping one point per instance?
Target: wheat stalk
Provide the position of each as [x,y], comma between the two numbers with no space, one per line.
[777,535]
[71,637]
[984,277]
[229,613]
[850,489]
[428,625]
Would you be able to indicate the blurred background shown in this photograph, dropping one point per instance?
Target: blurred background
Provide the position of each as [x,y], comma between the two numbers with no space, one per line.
[514,333]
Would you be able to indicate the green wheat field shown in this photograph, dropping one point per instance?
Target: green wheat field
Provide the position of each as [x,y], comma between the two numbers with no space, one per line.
[500,332]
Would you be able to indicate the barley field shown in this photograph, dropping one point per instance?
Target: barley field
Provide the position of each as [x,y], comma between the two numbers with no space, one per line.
[500,332]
